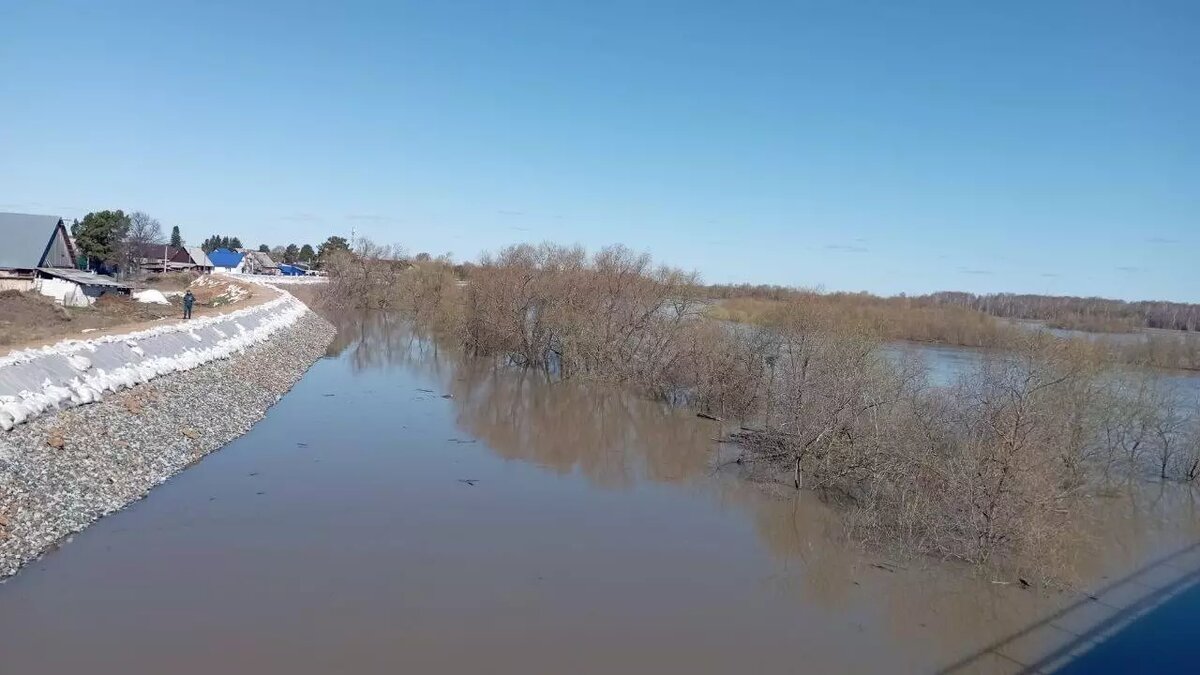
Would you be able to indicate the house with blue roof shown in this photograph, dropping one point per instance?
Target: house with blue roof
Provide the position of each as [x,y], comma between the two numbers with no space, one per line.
[225,260]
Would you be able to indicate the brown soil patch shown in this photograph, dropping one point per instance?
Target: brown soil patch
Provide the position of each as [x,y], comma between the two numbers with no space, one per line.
[21,313]
[31,319]
[173,281]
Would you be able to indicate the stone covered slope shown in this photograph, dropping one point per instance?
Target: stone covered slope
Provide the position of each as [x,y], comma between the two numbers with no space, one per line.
[76,372]
[60,472]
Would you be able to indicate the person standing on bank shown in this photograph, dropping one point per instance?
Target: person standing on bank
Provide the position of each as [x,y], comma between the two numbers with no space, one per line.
[188,301]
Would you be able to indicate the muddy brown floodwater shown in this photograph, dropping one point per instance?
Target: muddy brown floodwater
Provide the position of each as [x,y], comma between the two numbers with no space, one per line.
[371,525]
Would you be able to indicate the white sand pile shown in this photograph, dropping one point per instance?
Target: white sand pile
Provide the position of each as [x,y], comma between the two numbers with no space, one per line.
[151,296]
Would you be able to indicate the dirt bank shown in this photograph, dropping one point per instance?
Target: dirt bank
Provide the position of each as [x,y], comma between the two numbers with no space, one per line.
[33,320]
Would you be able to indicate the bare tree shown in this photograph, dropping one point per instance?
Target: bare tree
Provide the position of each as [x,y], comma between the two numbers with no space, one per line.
[1169,425]
[143,232]
[369,276]
[1189,455]
[1127,419]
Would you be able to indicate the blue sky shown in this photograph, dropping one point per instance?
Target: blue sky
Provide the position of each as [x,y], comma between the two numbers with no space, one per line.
[886,146]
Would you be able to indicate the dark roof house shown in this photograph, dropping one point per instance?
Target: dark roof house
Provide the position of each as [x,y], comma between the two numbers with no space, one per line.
[37,254]
[193,256]
[199,257]
[28,242]
[148,251]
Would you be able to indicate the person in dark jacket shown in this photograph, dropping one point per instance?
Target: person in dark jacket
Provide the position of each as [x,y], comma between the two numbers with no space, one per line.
[188,301]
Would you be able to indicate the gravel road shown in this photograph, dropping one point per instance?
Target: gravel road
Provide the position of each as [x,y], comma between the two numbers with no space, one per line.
[61,472]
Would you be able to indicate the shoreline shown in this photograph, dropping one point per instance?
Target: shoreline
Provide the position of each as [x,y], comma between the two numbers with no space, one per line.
[264,294]
[63,470]
[75,372]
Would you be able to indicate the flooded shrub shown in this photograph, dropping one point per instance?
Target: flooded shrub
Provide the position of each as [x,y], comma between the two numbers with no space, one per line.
[830,388]
[988,470]
[1187,462]
[999,473]
[1127,419]
[371,276]
[612,316]
[368,277]
[723,372]
[992,469]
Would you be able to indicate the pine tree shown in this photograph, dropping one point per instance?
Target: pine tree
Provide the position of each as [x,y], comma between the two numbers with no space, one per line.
[100,234]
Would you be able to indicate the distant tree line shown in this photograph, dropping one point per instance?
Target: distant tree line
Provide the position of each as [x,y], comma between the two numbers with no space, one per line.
[305,253]
[112,241]
[1091,314]
[219,241]
[1074,312]
[289,253]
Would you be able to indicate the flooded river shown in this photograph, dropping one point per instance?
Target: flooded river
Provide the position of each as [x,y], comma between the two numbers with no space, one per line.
[406,510]
[945,363]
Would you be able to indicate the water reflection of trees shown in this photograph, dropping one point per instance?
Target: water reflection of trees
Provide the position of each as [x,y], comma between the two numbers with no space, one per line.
[946,609]
[376,340]
[609,436]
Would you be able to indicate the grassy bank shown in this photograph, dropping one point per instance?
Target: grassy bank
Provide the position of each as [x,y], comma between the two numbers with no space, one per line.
[893,319]
[916,320]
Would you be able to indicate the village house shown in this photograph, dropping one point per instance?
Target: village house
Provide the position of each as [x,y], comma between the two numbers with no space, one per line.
[195,258]
[165,258]
[258,262]
[225,260]
[153,257]
[36,253]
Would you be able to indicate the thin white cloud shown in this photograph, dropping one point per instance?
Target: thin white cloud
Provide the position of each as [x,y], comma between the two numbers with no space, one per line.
[371,217]
[302,218]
